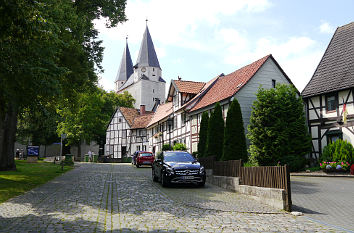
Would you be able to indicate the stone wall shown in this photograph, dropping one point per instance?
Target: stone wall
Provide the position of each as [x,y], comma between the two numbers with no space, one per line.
[270,196]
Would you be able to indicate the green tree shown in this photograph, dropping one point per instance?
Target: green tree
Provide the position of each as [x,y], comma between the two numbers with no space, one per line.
[88,118]
[180,146]
[203,135]
[48,52]
[235,140]
[215,133]
[277,129]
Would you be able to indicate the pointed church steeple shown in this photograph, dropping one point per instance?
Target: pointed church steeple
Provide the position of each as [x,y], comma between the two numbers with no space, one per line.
[147,55]
[126,65]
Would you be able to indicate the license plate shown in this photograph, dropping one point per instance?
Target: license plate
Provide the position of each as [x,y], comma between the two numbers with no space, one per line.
[146,162]
[188,177]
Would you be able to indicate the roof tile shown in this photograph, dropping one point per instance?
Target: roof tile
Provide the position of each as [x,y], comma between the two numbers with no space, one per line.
[189,86]
[336,68]
[162,111]
[226,86]
[129,114]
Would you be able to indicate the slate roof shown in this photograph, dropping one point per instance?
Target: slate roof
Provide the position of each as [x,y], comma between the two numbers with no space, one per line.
[189,86]
[162,111]
[336,68]
[226,86]
[147,54]
[129,114]
[142,121]
[126,66]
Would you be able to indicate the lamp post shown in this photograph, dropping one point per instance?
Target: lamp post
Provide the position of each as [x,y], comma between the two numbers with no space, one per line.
[170,123]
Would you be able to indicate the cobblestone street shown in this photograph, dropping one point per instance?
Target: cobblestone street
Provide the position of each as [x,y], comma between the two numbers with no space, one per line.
[325,199]
[122,198]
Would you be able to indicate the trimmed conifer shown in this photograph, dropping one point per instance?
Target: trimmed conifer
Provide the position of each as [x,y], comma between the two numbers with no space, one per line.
[215,133]
[203,134]
[235,140]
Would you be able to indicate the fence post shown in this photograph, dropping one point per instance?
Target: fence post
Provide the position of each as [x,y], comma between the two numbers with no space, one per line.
[288,201]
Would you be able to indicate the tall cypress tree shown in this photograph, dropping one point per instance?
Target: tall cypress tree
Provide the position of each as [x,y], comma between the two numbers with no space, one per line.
[235,139]
[203,134]
[215,133]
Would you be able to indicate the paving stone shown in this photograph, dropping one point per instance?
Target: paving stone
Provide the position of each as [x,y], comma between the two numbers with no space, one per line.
[122,198]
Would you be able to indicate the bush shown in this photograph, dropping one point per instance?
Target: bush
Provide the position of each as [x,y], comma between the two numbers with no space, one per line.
[180,146]
[215,138]
[166,147]
[126,159]
[203,135]
[277,128]
[338,151]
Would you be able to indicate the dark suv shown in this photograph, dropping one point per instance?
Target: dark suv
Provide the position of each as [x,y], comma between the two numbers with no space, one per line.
[178,167]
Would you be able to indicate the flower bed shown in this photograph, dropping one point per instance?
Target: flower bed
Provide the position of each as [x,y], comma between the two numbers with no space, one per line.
[335,166]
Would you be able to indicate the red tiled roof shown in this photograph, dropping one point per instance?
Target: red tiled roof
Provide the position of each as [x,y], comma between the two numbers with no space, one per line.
[142,121]
[129,114]
[189,86]
[228,85]
[162,111]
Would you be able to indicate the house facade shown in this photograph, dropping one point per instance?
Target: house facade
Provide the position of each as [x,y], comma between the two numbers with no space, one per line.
[329,95]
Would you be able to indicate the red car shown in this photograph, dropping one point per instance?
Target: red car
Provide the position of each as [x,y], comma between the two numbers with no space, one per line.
[144,158]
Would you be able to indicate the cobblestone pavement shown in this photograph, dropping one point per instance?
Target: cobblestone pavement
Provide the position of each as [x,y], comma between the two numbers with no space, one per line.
[326,199]
[122,198]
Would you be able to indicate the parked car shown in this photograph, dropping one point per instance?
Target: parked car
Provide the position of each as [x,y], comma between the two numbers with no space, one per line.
[134,157]
[144,158]
[178,167]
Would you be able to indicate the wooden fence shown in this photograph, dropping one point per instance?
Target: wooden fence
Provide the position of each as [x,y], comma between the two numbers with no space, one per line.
[267,176]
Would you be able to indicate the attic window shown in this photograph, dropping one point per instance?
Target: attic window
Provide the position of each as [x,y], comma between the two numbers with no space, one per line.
[331,102]
[119,120]
[273,83]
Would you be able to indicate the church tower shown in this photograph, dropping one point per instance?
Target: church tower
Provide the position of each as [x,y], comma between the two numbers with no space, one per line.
[125,68]
[143,80]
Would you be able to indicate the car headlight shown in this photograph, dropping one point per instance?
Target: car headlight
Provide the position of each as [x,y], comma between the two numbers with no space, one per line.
[169,170]
[201,169]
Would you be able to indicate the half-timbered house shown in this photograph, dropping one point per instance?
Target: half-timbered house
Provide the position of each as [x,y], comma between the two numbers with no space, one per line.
[329,94]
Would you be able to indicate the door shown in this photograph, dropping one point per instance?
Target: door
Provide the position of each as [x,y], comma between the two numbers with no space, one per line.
[124,151]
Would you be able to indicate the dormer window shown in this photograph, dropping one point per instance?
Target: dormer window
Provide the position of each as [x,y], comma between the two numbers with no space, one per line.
[331,102]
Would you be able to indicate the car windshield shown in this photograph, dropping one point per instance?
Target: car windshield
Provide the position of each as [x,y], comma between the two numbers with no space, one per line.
[178,157]
[145,154]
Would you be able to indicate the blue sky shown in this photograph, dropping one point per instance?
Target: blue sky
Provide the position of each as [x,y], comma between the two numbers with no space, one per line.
[200,39]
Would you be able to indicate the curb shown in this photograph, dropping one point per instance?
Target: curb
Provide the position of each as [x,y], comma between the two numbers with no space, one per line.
[319,175]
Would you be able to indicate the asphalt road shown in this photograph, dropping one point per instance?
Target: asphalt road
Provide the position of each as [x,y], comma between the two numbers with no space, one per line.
[328,200]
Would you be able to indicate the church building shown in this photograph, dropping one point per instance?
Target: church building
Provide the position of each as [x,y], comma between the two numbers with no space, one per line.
[126,132]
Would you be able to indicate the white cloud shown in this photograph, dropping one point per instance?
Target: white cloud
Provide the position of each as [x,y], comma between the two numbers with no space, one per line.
[326,28]
[176,22]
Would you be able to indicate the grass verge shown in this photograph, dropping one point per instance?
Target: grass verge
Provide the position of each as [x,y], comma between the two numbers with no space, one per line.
[26,177]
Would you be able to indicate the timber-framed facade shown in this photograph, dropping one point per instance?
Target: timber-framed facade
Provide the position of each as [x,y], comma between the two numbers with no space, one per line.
[329,96]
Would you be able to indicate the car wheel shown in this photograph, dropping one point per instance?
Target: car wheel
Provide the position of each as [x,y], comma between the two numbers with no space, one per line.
[202,184]
[154,178]
[164,181]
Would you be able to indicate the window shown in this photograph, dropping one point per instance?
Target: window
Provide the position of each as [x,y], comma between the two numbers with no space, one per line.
[124,133]
[137,147]
[184,119]
[331,102]
[153,91]
[334,135]
[119,120]
[273,83]
[144,147]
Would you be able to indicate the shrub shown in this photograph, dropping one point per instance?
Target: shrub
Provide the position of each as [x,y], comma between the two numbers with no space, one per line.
[166,147]
[215,133]
[338,151]
[234,140]
[277,129]
[203,135]
[126,159]
[180,146]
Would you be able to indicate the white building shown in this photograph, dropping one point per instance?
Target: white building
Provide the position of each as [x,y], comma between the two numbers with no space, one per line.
[329,90]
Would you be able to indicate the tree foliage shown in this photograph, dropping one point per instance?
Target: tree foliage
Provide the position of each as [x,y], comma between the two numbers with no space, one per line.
[277,129]
[48,52]
[235,140]
[88,118]
[215,133]
[203,135]
[340,150]
[180,146]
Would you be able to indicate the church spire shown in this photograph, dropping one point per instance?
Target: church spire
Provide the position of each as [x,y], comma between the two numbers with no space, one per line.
[147,55]
[126,65]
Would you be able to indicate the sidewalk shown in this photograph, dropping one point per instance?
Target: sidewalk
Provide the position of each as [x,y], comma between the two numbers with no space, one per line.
[321,174]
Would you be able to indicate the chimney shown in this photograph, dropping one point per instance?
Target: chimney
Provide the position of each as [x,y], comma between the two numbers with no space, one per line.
[142,109]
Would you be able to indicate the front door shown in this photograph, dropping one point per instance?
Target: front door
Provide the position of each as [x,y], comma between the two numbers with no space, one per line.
[124,151]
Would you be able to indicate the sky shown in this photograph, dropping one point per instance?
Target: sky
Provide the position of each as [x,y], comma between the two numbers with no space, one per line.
[200,39]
